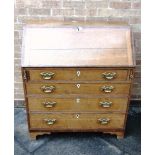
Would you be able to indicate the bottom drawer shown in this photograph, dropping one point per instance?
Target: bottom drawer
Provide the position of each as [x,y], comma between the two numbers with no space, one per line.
[62,121]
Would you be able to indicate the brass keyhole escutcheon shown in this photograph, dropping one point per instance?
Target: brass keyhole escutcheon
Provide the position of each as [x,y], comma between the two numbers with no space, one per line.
[78,85]
[78,100]
[78,73]
[77,116]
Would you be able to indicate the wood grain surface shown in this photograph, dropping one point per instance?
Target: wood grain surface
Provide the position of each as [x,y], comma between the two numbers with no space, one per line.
[63,88]
[77,74]
[75,45]
[77,104]
[77,53]
[70,121]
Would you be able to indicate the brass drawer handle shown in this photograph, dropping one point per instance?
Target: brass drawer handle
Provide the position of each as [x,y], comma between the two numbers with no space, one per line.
[50,121]
[107,89]
[47,75]
[105,104]
[49,104]
[48,89]
[103,121]
[109,75]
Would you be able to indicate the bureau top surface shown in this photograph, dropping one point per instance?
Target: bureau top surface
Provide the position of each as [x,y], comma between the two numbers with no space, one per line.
[76,45]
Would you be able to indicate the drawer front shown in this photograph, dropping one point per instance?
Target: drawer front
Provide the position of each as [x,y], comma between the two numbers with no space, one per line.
[77,74]
[76,121]
[61,88]
[77,104]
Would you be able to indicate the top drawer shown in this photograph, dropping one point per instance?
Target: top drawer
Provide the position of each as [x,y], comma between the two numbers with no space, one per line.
[77,74]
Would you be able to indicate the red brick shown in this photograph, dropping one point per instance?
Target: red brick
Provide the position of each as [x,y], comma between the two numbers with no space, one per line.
[136,86]
[17,61]
[118,19]
[137,49]
[137,35]
[17,48]
[136,5]
[135,27]
[137,74]
[19,103]
[137,44]
[86,12]
[51,4]
[134,97]
[91,12]
[17,73]
[138,55]
[138,62]
[20,11]
[135,20]
[17,41]
[74,18]
[50,18]
[74,4]
[137,80]
[34,11]
[19,96]
[92,19]
[18,85]
[18,26]
[62,12]
[27,3]
[137,92]
[24,19]
[19,4]
[17,55]
[120,5]
[96,4]
[16,34]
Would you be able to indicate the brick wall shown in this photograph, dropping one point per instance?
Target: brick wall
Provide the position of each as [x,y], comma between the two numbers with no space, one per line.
[80,10]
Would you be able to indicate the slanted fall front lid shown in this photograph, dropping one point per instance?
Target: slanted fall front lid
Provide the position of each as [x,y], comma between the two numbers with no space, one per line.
[76,46]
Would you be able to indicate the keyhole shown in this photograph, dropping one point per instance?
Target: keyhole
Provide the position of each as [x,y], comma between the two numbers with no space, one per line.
[77,115]
[78,73]
[79,28]
[78,85]
[77,100]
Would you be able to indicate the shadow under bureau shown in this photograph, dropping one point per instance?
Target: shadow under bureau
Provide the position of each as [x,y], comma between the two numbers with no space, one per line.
[77,77]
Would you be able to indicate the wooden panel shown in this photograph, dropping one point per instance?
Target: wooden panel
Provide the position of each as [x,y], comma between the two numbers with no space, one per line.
[77,58]
[76,121]
[77,74]
[76,46]
[75,37]
[77,104]
[61,88]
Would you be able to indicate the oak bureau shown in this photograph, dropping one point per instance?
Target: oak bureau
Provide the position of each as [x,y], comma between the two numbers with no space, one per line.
[77,77]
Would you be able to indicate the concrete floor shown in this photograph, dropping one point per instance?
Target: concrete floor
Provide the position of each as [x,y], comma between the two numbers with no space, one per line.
[79,143]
